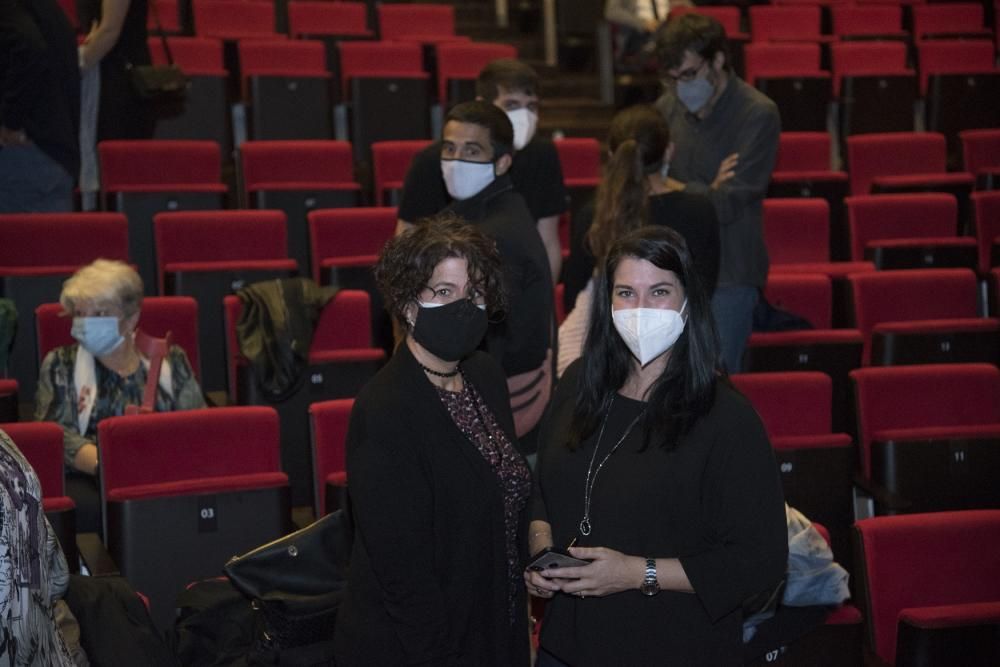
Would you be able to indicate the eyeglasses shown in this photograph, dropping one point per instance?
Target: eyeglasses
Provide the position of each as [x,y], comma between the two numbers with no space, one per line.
[685,75]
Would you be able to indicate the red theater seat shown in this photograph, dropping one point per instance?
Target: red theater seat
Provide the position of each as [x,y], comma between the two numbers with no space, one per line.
[329,421]
[208,255]
[922,316]
[930,587]
[341,360]
[38,252]
[908,231]
[928,436]
[9,409]
[391,160]
[184,491]
[986,212]
[233,19]
[786,24]
[875,88]
[297,177]
[868,21]
[790,74]
[458,65]
[953,19]
[416,22]
[981,156]
[903,162]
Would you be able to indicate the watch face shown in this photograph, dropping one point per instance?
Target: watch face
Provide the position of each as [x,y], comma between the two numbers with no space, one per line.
[649,588]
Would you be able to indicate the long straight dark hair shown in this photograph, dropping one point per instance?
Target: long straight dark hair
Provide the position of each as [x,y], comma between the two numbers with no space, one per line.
[686,390]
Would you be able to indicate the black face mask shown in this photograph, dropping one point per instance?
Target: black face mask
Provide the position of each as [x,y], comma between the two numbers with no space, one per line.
[451,332]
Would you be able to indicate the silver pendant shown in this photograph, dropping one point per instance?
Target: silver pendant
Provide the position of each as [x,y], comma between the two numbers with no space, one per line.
[585,527]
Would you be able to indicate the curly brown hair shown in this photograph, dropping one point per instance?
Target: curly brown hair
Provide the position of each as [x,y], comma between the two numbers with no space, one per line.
[408,261]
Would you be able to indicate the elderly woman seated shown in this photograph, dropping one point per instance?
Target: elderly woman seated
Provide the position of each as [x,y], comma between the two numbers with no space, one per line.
[103,374]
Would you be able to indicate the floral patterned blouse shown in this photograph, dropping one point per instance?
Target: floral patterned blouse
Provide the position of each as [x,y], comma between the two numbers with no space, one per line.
[474,419]
[56,398]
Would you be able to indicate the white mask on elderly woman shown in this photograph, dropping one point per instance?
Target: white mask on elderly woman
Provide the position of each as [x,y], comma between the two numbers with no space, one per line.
[98,335]
[649,332]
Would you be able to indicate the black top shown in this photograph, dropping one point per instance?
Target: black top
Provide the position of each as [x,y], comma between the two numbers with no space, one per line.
[715,502]
[692,216]
[536,173]
[428,583]
[521,339]
[40,78]
[743,121]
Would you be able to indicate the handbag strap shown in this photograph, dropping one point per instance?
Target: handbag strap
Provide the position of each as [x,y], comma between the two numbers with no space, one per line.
[159,29]
[155,349]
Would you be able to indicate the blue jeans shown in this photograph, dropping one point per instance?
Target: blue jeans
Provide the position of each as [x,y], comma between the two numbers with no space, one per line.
[32,182]
[732,306]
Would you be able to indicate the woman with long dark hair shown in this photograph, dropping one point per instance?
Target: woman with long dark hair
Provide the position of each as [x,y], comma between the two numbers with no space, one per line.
[659,472]
[634,192]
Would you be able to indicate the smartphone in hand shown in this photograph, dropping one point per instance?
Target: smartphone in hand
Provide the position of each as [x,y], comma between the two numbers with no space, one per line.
[551,558]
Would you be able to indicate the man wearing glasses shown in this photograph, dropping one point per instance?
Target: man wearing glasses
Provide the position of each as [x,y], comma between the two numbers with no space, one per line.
[725,135]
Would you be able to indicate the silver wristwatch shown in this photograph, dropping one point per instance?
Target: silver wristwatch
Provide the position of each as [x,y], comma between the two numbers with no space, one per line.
[650,586]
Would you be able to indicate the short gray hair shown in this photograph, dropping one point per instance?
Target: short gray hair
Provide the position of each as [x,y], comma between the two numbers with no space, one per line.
[105,282]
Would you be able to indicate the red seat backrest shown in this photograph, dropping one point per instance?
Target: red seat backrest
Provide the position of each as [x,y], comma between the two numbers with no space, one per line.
[766,59]
[159,314]
[187,445]
[776,23]
[980,150]
[423,20]
[282,58]
[379,59]
[219,236]
[803,151]
[42,444]
[893,154]
[877,217]
[870,20]
[986,207]
[391,160]
[953,56]
[344,323]
[233,19]
[266,163]
[162,15]
[866,59]
[809,295]
[952,17]
[913,294]
[159,162]
[580,159]
[797,230]
[349,232]
[327,18]
[329,420]
[64,240]
[197,56]
[923,560]
[464,60]
[790,404]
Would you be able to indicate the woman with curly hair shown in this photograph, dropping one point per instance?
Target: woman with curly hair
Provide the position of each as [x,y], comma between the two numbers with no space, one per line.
[438,490]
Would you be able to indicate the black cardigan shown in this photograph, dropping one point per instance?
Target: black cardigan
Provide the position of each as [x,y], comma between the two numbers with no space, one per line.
[428,578]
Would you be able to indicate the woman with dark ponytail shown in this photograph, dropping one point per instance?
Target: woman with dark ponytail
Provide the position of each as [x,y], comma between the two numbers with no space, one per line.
[633,193]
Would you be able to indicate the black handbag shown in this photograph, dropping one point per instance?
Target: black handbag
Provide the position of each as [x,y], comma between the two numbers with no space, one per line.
[296,582]
[163,87]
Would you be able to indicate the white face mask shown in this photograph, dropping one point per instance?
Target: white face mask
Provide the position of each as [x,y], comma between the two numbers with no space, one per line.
[649,332]
[465,179]
[97,335]
[524,121]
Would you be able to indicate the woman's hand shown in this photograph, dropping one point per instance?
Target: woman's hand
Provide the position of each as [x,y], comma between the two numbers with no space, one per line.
[539,586]
[609,572]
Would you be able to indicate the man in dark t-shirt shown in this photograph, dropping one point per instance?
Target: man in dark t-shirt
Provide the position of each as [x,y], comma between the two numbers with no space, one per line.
[536,172]
[475,162]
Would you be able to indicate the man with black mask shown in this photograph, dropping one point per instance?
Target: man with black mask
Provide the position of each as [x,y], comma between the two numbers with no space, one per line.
[725,135]
[476,155]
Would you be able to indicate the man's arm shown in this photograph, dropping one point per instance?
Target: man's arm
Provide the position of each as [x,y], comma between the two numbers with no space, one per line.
[757,148]
[548,229]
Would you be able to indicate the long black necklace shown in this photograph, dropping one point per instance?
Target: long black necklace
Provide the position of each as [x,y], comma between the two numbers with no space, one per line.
[588,488]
